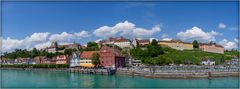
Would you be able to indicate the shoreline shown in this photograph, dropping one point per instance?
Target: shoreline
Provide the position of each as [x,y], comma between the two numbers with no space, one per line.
[180,75]
[146,75]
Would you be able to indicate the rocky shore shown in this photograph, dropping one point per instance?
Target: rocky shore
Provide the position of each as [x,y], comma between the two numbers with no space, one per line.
[134,73]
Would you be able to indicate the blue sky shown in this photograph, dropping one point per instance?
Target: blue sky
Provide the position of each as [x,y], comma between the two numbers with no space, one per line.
[218,20]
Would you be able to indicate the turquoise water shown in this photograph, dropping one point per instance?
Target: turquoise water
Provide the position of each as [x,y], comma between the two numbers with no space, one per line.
[35,79]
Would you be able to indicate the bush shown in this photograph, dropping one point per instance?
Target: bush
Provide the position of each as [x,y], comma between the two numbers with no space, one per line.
[35,66]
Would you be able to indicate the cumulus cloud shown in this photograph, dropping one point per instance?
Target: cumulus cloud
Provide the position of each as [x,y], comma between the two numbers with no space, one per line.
[40,40]
[9,43]
[221,25]
[228,44]
[61,37]
[236,40]
[38,37]
[126,29]
[42,45]
[167,39]
[197,33]
[64,36]
[82,34]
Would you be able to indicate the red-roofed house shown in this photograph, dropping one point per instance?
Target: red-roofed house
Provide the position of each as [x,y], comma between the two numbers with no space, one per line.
[85,58]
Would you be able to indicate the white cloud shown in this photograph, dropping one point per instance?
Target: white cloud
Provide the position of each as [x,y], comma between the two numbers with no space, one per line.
[236,40]
[64,36]
[228,44]
[197,34]
[221,26]
[40,40]
[82,34]
[125,29]
[42,45]
[38,37]
[9,44]
[167,39]
[105,32]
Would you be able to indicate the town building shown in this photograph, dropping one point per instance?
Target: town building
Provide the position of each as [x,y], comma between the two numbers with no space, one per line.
[31,61]
[232,62]
[21,60]
[119,41]
[40,59]
[52,48]
[177,44]
[86,58]
[2,60]
[133,62]
[137,42]
[60,48]
[111,57]
[207,61]
[211,47]
[75,59]
[61,59]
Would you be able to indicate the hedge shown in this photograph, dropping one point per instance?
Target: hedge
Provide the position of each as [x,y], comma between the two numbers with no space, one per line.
[35,66]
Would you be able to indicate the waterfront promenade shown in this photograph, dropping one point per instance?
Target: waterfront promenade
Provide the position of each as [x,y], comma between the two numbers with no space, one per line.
[181,71]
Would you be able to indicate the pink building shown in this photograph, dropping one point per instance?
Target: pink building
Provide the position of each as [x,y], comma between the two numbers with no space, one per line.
[212,47]
[61,59]
[111,57]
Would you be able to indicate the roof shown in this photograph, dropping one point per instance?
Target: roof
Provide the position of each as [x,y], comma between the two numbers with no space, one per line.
[206,59]
[176,41]
[122,40]
[211,45]
[114,49]
[117,39]
[87,54]
[142,41]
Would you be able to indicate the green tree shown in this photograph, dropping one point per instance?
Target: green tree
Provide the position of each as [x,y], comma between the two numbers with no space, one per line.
[69,51]
[34,53]
[195,44]
[92,44]
[154,42]
[95,59]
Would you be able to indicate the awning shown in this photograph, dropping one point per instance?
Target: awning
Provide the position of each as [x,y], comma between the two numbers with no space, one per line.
[86,65]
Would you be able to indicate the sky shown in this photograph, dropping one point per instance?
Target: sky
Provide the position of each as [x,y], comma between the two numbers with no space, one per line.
[36,24]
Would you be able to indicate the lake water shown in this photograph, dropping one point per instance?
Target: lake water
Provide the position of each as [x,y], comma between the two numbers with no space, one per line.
[43,79]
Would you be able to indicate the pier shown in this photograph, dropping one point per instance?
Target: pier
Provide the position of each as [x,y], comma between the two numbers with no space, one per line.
[93,71]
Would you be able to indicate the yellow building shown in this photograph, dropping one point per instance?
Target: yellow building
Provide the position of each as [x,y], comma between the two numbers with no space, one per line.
[177,44]
[85,58]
